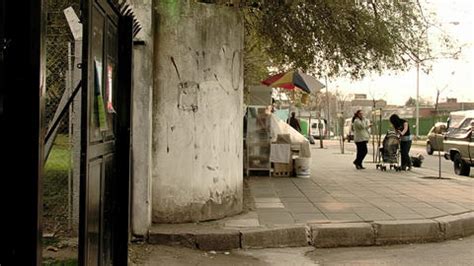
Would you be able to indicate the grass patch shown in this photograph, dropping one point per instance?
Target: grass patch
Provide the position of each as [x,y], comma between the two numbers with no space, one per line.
[55,186]
[50,241]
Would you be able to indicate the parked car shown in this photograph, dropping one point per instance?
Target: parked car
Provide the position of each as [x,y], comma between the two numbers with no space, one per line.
[459,141]
[348,134]
[435,138]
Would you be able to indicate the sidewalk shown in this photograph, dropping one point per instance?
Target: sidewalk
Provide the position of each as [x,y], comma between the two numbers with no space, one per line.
[337,206]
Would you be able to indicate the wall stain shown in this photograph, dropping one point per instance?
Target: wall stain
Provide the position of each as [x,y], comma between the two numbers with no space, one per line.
[188,96]
[167,141]
[236,66]
[220,84]
[176,68]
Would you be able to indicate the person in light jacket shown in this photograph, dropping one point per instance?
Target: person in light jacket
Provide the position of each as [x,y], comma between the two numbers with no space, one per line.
[360,127]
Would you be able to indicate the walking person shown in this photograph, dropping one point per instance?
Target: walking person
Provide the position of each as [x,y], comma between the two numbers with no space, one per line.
[360,127]
[403,129]
[294,122]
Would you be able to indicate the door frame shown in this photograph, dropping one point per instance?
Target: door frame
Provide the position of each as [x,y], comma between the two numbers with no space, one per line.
[22,89]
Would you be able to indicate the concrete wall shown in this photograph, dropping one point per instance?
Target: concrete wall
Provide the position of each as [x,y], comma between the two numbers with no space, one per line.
[197,112]
[141,120]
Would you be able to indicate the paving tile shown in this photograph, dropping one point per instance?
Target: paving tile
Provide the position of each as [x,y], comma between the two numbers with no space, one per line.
[242,223]
[358,204]
[264,195]
[407,200]
[417,205]
[429,212]
[301,200]
[343,217]
[406,216]
[317,195]
[339,191]
[349,199]
[303,210]
[298,205]
[450,208]
[271,210]
[322,200]
[389,205]
[467,205]
[276,218]
[269,205]
[267,200]
[305,217]
[334,207]
[374,216]
[365,210]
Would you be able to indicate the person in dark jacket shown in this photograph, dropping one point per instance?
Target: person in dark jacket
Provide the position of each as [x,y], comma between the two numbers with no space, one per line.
[294,122]
[403,129]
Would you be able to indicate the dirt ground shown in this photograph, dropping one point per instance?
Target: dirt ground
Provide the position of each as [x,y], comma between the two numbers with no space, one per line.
[143,254]
[63,251]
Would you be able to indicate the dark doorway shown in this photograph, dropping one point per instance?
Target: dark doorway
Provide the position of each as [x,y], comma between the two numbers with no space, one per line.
[105,133]
[21,130]
[105,178]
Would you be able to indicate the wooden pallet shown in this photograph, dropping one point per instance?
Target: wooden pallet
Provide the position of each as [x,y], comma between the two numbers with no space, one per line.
[283,169]
[282,174]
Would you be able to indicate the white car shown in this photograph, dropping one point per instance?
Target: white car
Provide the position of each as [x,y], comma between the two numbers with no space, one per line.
[348,134]
[317,128]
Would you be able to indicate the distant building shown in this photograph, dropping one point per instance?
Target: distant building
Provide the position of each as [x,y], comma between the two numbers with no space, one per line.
[427,111]
[444,108]
[452,104]
[360,102]
[407,111]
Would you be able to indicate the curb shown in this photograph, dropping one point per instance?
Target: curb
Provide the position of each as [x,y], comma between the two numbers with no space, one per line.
[320,235]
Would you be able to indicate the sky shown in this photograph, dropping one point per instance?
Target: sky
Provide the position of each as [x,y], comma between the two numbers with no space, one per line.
[454,78]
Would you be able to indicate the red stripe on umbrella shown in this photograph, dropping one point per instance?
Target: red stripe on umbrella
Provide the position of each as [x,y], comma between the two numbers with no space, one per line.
[272,79]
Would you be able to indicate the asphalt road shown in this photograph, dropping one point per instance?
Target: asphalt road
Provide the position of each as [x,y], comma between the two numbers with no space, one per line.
[430,161]
[433,161]
[454,252]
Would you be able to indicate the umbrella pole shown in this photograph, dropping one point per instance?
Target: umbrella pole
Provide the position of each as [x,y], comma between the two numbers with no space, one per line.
[289,108]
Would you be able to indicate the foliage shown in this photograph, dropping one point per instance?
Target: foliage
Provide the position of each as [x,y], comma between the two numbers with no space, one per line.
[256,60]
[339,37]
[411,102]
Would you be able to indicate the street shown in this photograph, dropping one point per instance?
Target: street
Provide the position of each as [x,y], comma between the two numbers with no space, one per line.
[454,252]
[429,162]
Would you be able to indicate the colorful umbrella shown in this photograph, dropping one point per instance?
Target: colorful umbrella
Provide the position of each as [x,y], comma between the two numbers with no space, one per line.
[294,79]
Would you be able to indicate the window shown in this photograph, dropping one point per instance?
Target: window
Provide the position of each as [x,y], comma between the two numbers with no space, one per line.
[466,124]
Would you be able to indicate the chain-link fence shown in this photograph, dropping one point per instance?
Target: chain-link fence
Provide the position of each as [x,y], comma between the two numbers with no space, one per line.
[57,179]
[58,167]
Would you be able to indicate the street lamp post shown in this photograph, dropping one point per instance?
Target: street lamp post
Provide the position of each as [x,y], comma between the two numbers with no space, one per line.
[417,112]
[328,126]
